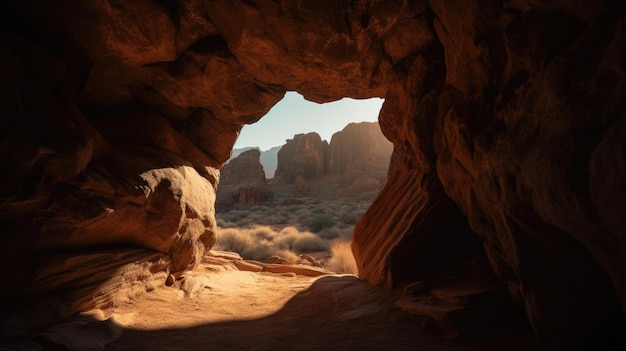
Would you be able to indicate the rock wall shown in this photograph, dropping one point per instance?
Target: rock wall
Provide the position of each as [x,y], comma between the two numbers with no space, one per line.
[303,157]
[358,149]
[242,181]
[122,112]
[358,146]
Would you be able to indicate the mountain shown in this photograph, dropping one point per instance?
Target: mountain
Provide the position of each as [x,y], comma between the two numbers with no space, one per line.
[269,158]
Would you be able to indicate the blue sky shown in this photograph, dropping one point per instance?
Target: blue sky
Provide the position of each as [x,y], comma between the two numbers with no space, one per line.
[293,115]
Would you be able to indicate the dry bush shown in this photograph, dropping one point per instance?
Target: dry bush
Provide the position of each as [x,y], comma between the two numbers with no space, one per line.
[342,259]
[262,242]
[340,231]
[232,239]
[292,239]
[317,222]
[235,215]
[350,218]
[263,232]
[263,251]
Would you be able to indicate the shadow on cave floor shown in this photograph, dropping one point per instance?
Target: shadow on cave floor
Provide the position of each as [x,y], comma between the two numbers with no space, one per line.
[333,313]
[219,307]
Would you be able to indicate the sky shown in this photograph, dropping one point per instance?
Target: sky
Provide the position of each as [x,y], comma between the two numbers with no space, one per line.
[293,115]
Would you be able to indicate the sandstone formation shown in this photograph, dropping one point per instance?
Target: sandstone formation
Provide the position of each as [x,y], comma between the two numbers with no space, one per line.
[506,116]
[269,158]
[243,181]
[359,146]
[355,162]
[302,158]
[359,157]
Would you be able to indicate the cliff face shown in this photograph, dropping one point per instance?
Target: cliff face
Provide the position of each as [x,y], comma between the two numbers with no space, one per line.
[269,158]
[509,113]
[359,146]
[245,168]
[243,181]
[303,157]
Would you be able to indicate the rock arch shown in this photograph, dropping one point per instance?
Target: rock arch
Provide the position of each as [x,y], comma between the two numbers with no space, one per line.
[509,113]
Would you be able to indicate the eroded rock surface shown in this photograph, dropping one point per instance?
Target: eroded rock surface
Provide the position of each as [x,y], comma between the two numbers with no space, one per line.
[302,158]
[510,113]
[353,163]
[242,181]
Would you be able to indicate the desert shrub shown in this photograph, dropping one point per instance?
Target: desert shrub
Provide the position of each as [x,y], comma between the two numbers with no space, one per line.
[251,243]
[236,216]
[317,222]
[303,213]
[328,233]
[350,218]
[300,241]
[276,219]
[341,231]
[293,208]
[222,223]
[288,231]
[263,232]
[261,208]
[318,210]
[232,239]
[260,251]
[342,259]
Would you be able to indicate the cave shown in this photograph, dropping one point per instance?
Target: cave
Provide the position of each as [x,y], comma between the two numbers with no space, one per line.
[507,118]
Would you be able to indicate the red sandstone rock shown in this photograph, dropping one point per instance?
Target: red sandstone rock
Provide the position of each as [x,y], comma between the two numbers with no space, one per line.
[121,115]
[360,148]
[243,181]
[303,157]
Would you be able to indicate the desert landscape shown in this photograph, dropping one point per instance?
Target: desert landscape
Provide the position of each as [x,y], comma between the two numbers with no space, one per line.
[305,213]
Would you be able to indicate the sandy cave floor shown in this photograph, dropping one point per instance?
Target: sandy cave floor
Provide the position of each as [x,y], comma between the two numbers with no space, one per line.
[219,307]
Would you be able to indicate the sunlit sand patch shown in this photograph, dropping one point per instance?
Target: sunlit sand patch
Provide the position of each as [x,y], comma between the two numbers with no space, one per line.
[208,294]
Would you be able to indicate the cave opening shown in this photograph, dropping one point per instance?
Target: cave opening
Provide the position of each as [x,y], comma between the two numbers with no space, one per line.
[299,179]
[507,121]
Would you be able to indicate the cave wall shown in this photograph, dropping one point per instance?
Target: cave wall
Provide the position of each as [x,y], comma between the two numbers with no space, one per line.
[122,113]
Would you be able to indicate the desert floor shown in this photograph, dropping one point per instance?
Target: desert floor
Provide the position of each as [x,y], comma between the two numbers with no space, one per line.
[219,307]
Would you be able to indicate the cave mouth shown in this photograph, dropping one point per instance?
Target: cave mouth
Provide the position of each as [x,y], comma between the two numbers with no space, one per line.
[515,109]
[331,163]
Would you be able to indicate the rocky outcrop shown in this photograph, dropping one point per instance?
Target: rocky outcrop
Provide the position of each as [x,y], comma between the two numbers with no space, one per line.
[355,162]
[302,158]
[509,114]
[269,158]
[359,147]
[245,168]
[243,181]
[359,157]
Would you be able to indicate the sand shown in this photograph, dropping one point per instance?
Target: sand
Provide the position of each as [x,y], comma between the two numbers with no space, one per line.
[218,307]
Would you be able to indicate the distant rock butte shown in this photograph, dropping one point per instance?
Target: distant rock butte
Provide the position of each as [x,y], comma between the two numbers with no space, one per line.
[243,182]
[303,157]
[357,159]
[245,168]
[269,158]
[358,156]
[359,146]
